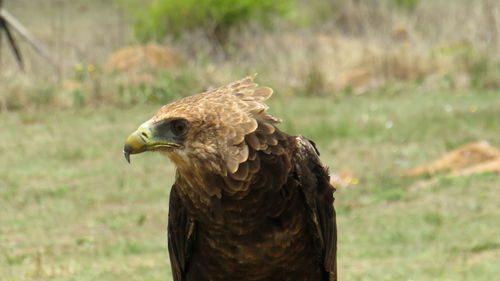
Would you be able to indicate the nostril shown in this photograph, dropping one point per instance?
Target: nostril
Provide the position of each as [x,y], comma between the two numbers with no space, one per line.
[144,136]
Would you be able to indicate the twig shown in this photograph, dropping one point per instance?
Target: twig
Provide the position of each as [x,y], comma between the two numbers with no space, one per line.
[13,44]
[1,21]
[17,26]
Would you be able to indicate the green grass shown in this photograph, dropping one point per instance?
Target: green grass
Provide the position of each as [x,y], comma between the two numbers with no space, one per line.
[71,208]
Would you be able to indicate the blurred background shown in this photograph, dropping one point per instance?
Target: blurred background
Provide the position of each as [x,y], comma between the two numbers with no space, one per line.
[401,96]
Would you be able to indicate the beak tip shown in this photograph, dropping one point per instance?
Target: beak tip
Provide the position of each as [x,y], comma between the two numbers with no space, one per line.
[127,156]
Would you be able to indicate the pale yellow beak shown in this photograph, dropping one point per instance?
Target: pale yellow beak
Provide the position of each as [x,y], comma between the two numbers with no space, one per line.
[138,141]
[149,137]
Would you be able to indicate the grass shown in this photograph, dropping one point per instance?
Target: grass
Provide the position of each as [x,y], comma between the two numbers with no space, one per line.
[71,208]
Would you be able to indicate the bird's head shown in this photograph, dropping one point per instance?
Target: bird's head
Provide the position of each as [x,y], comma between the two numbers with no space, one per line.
[166,135]
[206,130]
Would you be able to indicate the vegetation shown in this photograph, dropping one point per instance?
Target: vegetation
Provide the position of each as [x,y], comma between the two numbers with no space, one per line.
[215,18]
[337,48]
[381,86]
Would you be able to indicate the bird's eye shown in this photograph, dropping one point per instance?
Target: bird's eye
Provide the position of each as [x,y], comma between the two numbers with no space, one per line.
[179,127]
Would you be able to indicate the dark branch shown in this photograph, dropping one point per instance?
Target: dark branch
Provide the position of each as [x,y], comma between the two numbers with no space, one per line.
[12,44]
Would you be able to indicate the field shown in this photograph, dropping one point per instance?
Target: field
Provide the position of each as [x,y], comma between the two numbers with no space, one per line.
[73,209]
[381,86]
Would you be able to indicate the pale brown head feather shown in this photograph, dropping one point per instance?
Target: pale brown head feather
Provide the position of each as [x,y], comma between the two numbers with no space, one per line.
[224,122]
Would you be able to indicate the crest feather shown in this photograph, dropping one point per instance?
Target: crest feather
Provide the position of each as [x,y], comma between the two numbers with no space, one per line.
[232,123]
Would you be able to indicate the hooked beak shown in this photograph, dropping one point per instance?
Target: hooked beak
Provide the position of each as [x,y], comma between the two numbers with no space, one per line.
[145,139]
[137,142]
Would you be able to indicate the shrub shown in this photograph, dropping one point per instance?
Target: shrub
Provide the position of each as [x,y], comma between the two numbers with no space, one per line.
[405,4]
[215,17]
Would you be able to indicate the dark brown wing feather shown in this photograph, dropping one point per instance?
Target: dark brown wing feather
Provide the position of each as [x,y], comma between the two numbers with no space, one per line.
[181,234]
[314,181]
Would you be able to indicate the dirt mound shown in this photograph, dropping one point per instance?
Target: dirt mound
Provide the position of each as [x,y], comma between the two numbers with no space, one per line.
[140,59]
[477,157]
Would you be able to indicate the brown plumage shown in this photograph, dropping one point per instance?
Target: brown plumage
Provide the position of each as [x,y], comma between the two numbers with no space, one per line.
[249,201]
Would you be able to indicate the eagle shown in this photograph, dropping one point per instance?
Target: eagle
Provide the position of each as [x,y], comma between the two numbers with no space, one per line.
[249,201]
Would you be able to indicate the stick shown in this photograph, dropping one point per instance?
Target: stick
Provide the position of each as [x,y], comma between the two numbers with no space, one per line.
[17,26]
[1,21]
[1,24]
[13,45]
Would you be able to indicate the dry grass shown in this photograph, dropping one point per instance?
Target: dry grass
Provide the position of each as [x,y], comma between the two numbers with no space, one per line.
[367,44]
[348,47]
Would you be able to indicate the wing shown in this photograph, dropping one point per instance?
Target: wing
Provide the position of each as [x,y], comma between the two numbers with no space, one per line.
[314,182]
[181,234]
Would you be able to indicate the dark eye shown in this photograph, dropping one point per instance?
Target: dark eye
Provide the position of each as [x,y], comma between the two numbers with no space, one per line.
[179,127]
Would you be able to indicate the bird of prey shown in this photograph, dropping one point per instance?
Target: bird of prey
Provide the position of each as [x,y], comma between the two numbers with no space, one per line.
[249,201]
